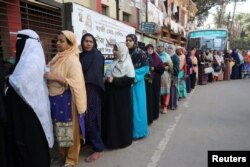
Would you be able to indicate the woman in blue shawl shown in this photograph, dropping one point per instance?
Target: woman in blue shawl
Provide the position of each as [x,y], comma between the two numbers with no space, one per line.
[141,64]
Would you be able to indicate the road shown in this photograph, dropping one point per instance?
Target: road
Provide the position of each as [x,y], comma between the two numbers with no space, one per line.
[212,117]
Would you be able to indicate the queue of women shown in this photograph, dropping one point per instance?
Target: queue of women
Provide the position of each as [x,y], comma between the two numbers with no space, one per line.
[71,98]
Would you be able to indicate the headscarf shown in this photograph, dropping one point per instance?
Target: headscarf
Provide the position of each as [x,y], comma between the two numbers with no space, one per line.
[28,81]
[61,57]
[156,60]
[122,66]
[173,50]
[92,64]
[138,56]
[235,56]
[134,38]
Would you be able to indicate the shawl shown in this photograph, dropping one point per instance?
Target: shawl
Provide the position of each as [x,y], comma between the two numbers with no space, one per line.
[28,81]
[139,58]
[92,65]
[66,64]
[122,66]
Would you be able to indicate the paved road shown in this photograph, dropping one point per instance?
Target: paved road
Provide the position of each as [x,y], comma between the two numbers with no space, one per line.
[212,117]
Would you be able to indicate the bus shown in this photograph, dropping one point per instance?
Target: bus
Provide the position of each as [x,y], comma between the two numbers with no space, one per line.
[213,39]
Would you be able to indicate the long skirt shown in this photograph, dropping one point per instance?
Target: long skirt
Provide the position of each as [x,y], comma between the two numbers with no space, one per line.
[93,117]
[188,84]
[182,92]
[193,80]
[156,85]
[117,117]
[235,72]
[227,71]
[165,83]
[173,94]
[149,96]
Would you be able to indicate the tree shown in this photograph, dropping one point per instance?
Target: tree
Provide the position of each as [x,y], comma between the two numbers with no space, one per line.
[204,6]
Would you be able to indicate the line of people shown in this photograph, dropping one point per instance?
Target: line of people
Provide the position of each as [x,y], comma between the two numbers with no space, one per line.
[72,99]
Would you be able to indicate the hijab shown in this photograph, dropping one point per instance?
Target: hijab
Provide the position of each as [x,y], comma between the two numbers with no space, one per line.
[173,50]
[28,81]
[61,57]
[156,60]
[122,66]
[92,64]
[138,56]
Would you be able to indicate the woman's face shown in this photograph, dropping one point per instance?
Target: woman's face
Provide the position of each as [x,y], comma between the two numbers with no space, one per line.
[150,50]
[169,51]
[129,42]
[62,43]
[88,43]
[115,52]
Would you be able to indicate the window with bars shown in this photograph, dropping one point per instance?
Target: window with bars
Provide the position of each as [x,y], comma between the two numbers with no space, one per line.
[126,17]
[14,16]
[105,10]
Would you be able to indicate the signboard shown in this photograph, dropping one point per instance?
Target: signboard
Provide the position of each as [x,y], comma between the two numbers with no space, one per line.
[107,31]
[148,27]
[208,33]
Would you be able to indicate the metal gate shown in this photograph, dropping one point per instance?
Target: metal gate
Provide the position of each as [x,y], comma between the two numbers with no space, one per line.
[15,15]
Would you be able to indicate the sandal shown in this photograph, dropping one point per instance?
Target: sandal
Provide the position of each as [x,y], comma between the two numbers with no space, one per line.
[164,110]
[93,157]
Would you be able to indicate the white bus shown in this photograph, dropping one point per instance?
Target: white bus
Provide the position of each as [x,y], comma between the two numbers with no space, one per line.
[214,39]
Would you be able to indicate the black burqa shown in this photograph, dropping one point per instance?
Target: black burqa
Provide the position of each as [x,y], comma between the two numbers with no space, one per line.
[27,144]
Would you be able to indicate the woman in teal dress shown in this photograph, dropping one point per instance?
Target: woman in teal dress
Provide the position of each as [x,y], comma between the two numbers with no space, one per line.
[141,64]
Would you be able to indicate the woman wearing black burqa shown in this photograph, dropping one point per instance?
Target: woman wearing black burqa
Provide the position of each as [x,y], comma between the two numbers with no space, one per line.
[30,131]
[236,68]
[3,119]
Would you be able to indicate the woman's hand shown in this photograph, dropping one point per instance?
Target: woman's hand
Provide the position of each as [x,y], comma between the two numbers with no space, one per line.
[110,79]
[53,77]
[50,76]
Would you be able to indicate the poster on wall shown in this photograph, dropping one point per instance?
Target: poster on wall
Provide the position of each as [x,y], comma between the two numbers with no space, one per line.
[107,31]
[147,40]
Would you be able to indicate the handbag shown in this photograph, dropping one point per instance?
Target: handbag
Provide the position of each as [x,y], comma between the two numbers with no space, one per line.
[62,117]
[208,70]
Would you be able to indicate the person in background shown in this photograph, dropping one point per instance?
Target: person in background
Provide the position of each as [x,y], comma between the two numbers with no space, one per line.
[65,79]
[245,71]
[209,59]
[156,70]
[189,72]
[194,69]
[236,68]
[202,66]
[220,60]
[117,117]
[93,69]
[166,77]
[141,64]
[182,91]
[30,130]
[227,61]
[174,85]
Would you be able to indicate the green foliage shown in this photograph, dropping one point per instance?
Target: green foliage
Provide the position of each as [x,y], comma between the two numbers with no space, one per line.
[203,7]
[244,19]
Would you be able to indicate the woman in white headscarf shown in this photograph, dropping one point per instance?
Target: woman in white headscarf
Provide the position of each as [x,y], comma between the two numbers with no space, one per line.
[27,105]
[117,119]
